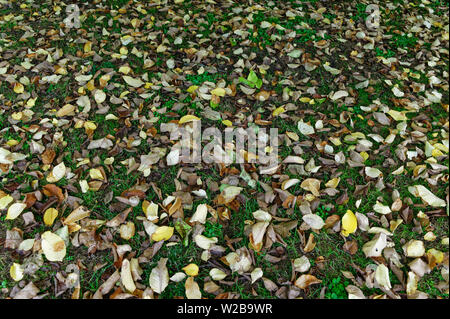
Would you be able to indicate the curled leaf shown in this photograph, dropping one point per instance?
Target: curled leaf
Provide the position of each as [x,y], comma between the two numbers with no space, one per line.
[304,281]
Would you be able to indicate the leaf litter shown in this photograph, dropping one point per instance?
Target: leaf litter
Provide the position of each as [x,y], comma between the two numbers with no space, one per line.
[97,202]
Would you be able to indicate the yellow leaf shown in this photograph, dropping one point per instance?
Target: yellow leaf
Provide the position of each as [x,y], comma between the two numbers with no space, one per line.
[123,94]
[50,216]
[5,201]
[18,88]
[364,155]
[219,92]
[288,183]
[124,70]
[87,47]
[192,88]
[230,192]
[123,51]
[305,99]
[90,85]
[162,233]
[31,102]
[191,270]
[104,80]
[188,118]
[435,254]
[95,173]
[150,210]
[12,143]
[16,272]
[436,153]
[414,248]
[200,214]
[227,123]
[335,140]
[90,126]
[394,224]
[441,147]
[205,242]
[67,109]
[278,111]
[349,223]
[17,116]
[333,183]
[411,284]
[256,274]
[398,116]
[427,196]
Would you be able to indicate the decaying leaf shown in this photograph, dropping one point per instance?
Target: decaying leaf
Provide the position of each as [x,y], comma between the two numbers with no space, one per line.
[125,276]
[159,276]
[375,247]
[304,281]
[314,221]
[427,196]
[16,272]
[382,276]
[192,289]
[53,246]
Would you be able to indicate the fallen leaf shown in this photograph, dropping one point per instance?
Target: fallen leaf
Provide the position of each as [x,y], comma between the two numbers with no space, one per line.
[191,270]
[304,281]
[53,246]
[50,216]
[192,289]
[159,276]
[349,223]
[126,277]
[15,210]
[162,233]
